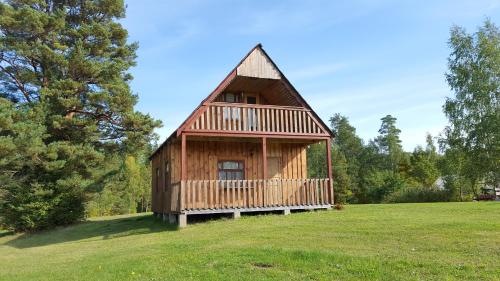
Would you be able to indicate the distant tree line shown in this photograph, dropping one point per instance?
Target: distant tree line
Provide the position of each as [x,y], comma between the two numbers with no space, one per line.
[467,164]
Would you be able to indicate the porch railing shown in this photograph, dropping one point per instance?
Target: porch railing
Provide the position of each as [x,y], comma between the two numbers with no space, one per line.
[234,194]
[256,118]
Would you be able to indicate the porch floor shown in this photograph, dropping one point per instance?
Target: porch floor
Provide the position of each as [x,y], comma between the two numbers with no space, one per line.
[255,209]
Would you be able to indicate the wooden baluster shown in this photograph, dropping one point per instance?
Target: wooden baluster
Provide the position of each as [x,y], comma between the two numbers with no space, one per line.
[239,193]
[233,193]
[280,117]
[240,117]
[203,120]
[209,194]
[245,194]
[303,186]
[272,121]
[212,117]
[187,195]
[220,194]
[254,191]
[205,195]
[321,192]
[300,121]
[273,193]
[295,127]
[300,191]
[288,127]
[310,190]
[281,192]
[267,120]
[193,195]
[245,119]
[325,191]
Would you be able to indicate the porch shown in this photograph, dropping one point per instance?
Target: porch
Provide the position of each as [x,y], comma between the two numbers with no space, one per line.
[224,196]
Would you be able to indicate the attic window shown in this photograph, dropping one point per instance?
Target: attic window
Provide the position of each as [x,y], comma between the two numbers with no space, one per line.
[230,97]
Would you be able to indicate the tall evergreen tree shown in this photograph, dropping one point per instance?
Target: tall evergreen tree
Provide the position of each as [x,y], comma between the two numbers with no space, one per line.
[389,143]
[68,62]
[473,112]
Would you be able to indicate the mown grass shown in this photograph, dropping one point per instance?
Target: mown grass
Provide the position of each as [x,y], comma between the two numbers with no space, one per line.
[436,241]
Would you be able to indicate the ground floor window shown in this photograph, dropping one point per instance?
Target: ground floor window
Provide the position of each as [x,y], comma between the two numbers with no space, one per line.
[231,170]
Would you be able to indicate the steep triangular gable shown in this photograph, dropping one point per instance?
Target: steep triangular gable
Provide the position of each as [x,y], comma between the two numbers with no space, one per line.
[257,64]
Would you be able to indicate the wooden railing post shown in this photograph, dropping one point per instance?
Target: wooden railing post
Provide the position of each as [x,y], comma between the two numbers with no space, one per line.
[329,163]
[183,172]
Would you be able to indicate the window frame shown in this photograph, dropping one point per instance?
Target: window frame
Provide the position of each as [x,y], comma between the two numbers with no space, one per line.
[167,175]
[239,161]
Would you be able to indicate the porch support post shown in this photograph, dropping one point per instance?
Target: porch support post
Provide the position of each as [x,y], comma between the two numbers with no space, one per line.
[236,215]
[329,167]
[264,168]
[183,158]
[264,158]
[183,172]
[182,220]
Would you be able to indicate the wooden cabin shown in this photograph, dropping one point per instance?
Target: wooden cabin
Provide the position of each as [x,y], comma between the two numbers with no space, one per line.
[243,149]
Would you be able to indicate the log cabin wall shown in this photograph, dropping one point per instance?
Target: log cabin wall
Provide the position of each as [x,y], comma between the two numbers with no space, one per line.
[161,180]
[203,156]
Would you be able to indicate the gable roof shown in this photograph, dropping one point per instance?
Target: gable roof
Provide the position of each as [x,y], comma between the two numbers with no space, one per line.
[256,58]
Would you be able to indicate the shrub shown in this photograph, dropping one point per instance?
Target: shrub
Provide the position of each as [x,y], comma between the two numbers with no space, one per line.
[416,195]
[486,197]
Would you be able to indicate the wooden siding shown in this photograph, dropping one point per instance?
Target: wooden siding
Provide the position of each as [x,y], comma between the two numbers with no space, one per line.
[202,158]
[256,64]
[162,186]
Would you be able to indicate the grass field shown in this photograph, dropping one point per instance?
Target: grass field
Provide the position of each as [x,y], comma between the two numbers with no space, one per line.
[443,241]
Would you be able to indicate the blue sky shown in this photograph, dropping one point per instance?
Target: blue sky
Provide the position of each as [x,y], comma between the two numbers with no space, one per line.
[363,59]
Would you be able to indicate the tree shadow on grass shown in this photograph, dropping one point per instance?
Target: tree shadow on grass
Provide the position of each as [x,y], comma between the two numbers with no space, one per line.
[93,230]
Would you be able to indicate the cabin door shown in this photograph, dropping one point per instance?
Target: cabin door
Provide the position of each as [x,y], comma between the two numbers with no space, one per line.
[274,167]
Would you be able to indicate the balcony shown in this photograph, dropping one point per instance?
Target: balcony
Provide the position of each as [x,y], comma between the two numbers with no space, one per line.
[256,119]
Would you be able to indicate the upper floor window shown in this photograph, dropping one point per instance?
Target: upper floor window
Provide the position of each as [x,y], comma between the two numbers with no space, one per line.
[167,175]
[231,97]
[231,170]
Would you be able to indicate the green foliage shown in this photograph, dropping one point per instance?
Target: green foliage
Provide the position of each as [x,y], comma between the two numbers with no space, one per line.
[316,161]
[126,188]
[473,112]
[417,195]
[347,148]
[389,144]
[66,106]
[424,168]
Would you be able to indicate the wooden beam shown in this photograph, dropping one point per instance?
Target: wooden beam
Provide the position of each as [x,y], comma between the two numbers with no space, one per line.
[183,158]
[264,158]
[329,163]
[215,133]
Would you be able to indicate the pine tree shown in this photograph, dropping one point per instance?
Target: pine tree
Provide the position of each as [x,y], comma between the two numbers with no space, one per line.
[67,61]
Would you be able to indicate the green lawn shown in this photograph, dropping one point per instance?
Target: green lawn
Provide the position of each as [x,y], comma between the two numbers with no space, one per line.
[444,241]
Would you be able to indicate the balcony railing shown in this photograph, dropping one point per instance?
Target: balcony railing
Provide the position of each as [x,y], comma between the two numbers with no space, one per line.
[244,194]
[256,118]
